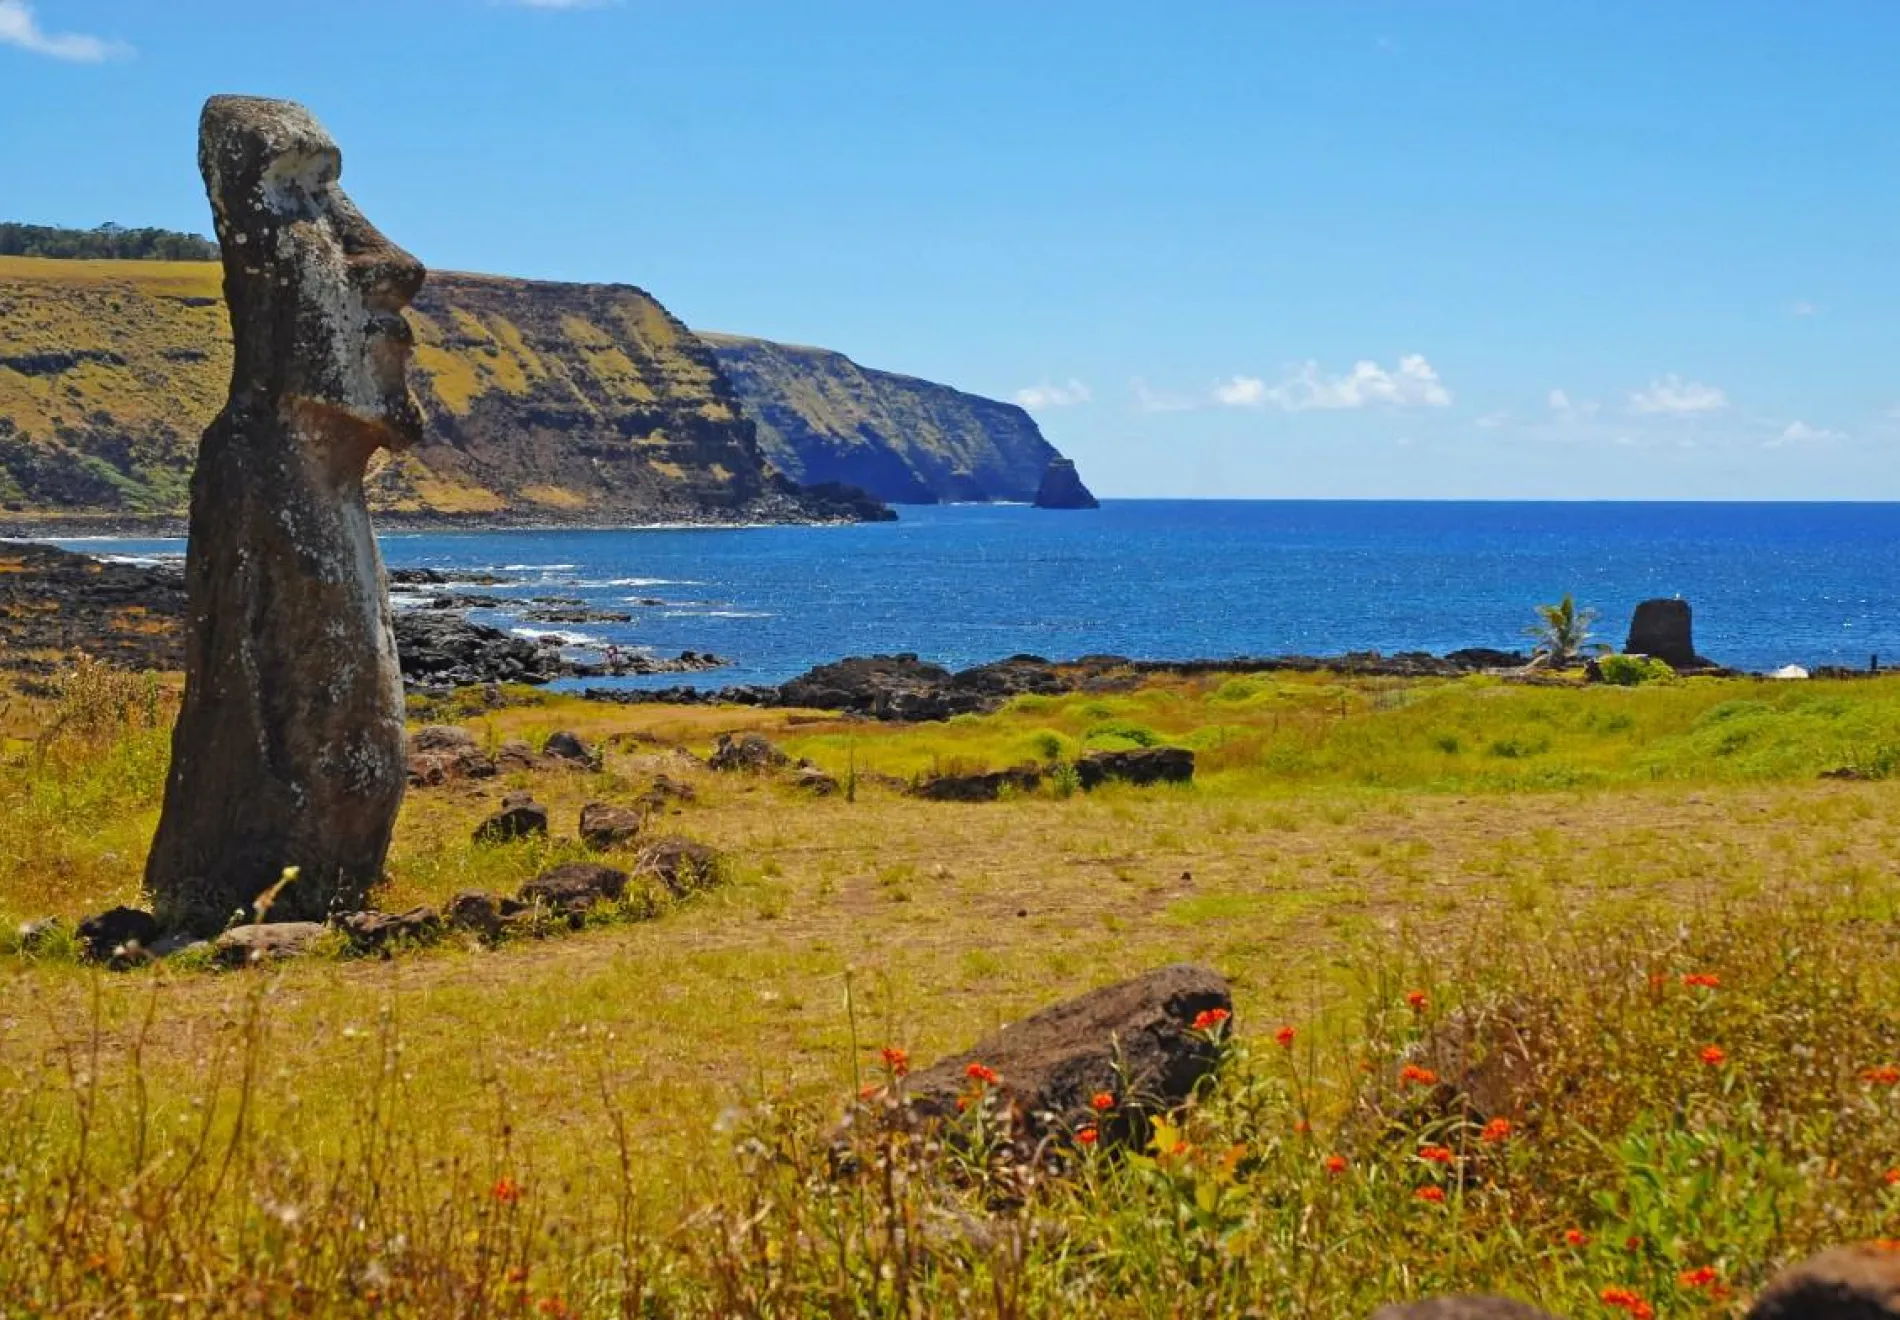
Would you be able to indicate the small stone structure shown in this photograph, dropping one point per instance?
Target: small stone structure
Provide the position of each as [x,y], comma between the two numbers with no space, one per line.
[288,749]
[1662,628]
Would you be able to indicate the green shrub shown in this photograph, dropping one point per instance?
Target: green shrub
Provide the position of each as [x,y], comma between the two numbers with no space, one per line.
[1633,670]
[1122,734]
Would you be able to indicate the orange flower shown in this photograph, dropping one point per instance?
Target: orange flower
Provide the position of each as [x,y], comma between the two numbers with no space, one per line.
[553,1306]
[1632,1244]
[1628,1299]
[1418,1076]
[1209,1018]
[898,1061]
[1102,1102]
[1417,1000]
[981,1074]
[1301,1126]
[1436,1154]
[1714,1055]
[1885,1075]
[1435,1195]
[869,1091]
[517,1274]
[1706,980]
[1891,1177]
[506,1191]
[1703,1277]
[963,1103]
[1284,1037]
[1335,1164]
[1498,1129]
[1088,1136]
[1576,1237]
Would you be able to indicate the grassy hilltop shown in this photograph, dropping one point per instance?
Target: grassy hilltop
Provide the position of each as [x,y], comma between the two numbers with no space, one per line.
[1688,929]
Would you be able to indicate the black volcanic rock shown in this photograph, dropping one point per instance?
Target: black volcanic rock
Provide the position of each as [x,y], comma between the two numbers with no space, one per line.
[1062,488]
[1664,629]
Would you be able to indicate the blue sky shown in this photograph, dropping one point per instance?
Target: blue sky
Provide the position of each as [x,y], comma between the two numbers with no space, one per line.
[1272,249]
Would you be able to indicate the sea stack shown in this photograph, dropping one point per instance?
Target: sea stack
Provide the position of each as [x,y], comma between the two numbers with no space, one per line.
[1062,488]
[288,751]
[1662,629]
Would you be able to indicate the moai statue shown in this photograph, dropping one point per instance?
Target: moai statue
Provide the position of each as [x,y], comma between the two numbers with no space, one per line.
[288,750]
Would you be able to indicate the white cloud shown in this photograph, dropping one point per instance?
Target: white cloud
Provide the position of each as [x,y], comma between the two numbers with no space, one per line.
[19,27]
[1149,401]
[560,4]
[1800,433]
[1413,384]
[1492,421]
[1242,392]
[1674,396]
[1804,308]
[1046,395]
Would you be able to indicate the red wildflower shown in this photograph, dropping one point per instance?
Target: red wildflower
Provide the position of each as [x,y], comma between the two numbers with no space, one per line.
[1498,1129]
[963,1103]
[553,1306]
[869,1091]
[1284,1037]
[1714,1055]
[898,1061]
[1335,1164]
[1576,1237]
[1706,980]
[1632,1244]
[1088,1136]
[1209,1018]
[1628,1299]
[1698,1278]
[1435,1195]
[1885,1075]
[1102,1102]
[517,1274]
[1418,1076]
[982,1074]
[1301,1126]
[506,1191]
[1891,1177]
[1417,1000]
[1436,1154]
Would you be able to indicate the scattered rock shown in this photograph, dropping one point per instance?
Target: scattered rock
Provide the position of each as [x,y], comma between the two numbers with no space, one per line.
[102,935]
[272,941]
[573,888]
[1134,1039]
[664,792]
[446,650]
[1664,629]
[170,946]
[515,756]
[1062,487]
[36,935]
[574,614]
[518,818]
[1462,1308]
[483,914]
[441,753]
[1141,765]
[372,931]
[682,865]
[751,753]
[605,826]
[569,749]
[810,779]
[288,749]
[982,786]
[1860,1282]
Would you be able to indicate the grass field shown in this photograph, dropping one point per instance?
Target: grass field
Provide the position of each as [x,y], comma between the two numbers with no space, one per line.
[631,1120]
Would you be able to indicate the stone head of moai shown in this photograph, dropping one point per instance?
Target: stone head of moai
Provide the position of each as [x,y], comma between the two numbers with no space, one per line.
[316,291]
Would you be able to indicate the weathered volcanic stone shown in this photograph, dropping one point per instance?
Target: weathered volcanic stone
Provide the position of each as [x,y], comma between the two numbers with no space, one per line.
[682,865]
[109,931]
[519,817]
[1462,1308]
[1062,487]
[1134,1039]
[271,942]
[1663,629]
[1860,1282]
[574,887]
[1141,765]
[750,752]
[604,826]
[288,749]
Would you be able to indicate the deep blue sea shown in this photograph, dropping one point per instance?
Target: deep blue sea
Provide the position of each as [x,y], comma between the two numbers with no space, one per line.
[1771,584]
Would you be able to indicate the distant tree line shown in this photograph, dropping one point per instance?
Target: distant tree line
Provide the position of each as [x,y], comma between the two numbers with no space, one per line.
[107,242]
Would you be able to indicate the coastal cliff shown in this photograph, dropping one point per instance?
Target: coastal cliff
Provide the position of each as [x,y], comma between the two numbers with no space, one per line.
[545,403]
[822,417]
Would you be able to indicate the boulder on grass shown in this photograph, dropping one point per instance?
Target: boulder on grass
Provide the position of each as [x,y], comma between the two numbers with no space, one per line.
[751,753]
[664,792]
[520,816]
[810,779]
[102,935]
[480,913]
[605,826]
[1462,1308]
[982,786]
[1860,1282]
[274,941]
[568,749]
[1664,629]
[1140,765]
[443,753]
[680,864]
[1135,1040]
[571,889]
[371,931]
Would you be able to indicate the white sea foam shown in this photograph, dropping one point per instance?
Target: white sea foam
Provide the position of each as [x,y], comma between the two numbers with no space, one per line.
[535,568]
[561,635]
[716,614]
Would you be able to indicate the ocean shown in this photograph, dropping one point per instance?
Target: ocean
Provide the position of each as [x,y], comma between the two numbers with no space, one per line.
[1771,584]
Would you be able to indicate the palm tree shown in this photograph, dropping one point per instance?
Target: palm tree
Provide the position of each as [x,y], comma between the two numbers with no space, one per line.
[1563,633]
